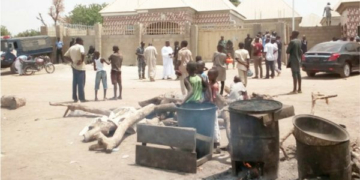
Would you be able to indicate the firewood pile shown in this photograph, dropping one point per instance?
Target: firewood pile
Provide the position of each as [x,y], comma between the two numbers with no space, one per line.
[109,128]
[355,160]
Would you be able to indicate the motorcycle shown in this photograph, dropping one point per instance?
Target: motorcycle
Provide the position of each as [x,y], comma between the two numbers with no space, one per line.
[41,62]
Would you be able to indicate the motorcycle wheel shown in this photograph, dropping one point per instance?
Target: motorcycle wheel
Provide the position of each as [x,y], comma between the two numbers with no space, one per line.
[49,68]
[28,71]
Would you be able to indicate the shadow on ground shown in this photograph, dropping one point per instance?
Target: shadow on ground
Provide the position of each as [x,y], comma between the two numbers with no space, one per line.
[330,76]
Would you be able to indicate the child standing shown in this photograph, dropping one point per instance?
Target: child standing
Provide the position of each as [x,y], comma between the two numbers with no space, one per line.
[100,74]
[194,84]
[214,86]
[116,62]
[200,71]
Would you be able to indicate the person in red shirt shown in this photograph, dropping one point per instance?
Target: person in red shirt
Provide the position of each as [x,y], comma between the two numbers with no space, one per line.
[258,49]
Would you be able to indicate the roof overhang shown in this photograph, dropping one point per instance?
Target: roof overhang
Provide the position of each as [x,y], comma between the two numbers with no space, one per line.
[343,5]
[274,19]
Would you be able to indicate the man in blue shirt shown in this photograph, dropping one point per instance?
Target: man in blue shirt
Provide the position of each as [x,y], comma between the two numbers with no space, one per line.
[59,45]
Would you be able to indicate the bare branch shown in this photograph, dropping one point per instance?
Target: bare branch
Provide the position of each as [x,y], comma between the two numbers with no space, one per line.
[40,18]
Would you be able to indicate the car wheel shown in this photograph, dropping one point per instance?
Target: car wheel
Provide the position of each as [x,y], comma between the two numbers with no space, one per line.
[311,74]
[13,68]
[345,71]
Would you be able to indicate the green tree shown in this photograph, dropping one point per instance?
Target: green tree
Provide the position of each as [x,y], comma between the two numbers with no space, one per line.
[235,2]
[5,31]
[87,15]
[28,33]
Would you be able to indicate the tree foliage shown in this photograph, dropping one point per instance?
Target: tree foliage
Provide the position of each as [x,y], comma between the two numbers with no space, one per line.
[28,33]
[5,31]
[56,9]
[87,15]
[235,2]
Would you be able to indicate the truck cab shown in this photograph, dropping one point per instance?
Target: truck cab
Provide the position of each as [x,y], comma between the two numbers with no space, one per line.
[29,46]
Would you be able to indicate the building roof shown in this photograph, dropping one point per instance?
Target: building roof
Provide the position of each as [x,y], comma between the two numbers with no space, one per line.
[265,9]
[124,6]
[310,20]
[199,5]
[341,2]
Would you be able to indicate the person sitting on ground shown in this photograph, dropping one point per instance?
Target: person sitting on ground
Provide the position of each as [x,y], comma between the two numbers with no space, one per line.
[100,74]
[237,91]
[116,63]
[194,84]
[199,58]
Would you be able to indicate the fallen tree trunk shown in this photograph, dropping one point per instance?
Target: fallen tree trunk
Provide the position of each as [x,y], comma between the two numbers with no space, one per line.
[109,144]
[12,102]
[74,107]
[163,108]
[162,99]
[104,127]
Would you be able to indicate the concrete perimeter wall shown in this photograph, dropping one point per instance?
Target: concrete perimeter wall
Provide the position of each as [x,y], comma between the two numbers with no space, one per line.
[316,35]
[202,40]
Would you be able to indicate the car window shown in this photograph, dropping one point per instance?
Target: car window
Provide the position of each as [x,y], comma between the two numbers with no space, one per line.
[15,45]
[326,47]
[350,47]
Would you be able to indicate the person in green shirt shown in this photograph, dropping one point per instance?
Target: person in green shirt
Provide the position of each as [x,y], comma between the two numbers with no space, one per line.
[294,52]
[194,84]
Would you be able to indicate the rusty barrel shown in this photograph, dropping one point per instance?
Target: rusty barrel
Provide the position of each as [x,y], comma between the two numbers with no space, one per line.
[322,148]
[251,140]
[200,116]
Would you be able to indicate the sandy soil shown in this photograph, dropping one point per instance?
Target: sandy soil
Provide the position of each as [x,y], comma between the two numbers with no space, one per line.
[37,143]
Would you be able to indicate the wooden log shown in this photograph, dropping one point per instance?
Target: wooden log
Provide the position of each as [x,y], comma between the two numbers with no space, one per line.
[169,107]
[74,107]
[110,143]
[282,140]
[162,99]
[12,102]
[315,97]
[104,127]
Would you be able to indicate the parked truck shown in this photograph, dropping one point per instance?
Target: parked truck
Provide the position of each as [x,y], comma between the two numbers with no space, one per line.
[31,46]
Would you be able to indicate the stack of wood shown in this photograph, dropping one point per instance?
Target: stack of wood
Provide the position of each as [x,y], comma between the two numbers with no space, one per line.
[355,160]
[110,127]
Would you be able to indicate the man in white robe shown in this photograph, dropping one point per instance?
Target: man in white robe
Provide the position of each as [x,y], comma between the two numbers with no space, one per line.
[168,66]
[150,54]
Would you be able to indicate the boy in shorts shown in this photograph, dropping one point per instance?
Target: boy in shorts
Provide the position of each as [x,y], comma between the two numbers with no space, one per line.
[116,62]
[100,74]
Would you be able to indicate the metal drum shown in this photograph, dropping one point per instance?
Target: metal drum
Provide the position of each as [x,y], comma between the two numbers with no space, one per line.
[202,118]
[322,148]
[251,141]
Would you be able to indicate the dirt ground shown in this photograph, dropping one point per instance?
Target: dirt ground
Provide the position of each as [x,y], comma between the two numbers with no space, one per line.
[37,143]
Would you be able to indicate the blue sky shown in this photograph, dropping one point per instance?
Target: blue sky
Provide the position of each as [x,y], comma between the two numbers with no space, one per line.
[20,15]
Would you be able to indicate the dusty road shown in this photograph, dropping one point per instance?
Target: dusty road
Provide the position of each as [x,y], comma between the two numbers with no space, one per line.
[37,143]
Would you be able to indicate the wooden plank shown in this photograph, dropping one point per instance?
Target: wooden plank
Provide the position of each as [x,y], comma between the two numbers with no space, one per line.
[168,159]
[203,160]
[183,138]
